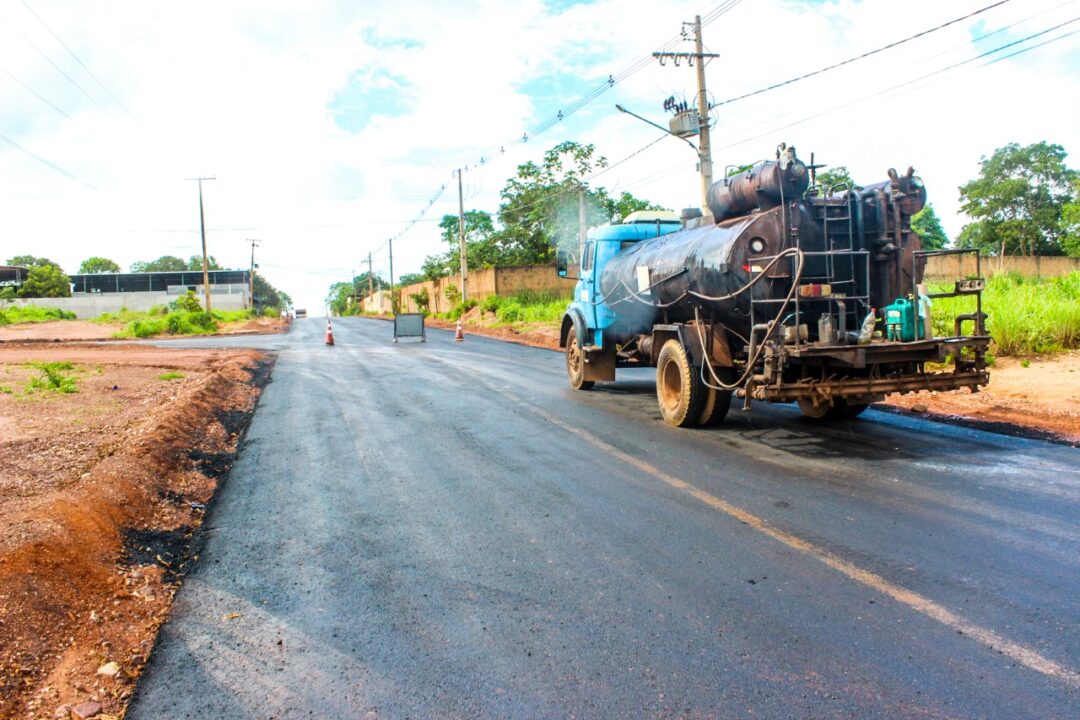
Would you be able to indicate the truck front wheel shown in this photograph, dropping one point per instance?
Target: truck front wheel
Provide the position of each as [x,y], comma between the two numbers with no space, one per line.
[575,364]
[679,389]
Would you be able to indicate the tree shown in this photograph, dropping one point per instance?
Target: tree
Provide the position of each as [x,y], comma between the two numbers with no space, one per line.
[627,204]
[45,281]
[540,204]
[267,296]
[540,210]
[1070,223]
[836,178]
[411,279]
[98,265]
[338,296]
[165,263]
[29,261]
[1016,203]
[195,263]
[927,226]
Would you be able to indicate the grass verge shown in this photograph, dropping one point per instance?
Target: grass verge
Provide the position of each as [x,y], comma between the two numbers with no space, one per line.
[32,314]
[524,307]
[161,320]
[1025,315]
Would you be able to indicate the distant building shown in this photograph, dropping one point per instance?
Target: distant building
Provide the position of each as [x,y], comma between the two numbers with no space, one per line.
[95,293]
[12,276]
[173,283]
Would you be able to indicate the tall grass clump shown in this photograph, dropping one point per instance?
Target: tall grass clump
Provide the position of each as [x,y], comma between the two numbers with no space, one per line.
[1025,315]
[33,314]
[525,306]
[176,322]
[54,377]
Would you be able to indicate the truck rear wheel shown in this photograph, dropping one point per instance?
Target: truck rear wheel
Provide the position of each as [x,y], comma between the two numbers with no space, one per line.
[575,364]
[679,389]
[717,402]
[841,409]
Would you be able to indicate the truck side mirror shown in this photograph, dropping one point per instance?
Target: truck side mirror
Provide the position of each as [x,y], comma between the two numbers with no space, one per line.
[561,263]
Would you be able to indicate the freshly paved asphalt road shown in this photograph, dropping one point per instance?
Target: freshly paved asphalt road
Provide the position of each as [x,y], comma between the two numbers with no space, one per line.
[448,530]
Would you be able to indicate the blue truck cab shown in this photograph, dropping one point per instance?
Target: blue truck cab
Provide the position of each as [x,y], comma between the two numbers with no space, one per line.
[588,315]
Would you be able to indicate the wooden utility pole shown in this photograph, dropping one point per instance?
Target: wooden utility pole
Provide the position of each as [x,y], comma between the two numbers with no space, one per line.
[582,229]
[392,274]
[704,144]
[370,279]
[461,237]
[251,275]
[202,228]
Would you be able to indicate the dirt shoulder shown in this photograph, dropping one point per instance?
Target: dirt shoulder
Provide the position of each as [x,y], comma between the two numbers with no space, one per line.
[101,494]
[86,330]
[1039,394]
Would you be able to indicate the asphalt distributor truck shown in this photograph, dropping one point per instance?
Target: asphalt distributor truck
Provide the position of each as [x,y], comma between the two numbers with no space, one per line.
[789,292]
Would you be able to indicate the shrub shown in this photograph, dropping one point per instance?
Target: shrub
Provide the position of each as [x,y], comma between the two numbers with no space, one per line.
[453,294]
[510,312]
[54,377]
[422,299]
[187,302]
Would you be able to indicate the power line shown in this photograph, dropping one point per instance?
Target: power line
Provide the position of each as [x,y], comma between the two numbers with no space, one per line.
[35,93]
[50,61]
[45,162]
[76,57]
[627,71]
[1037,45]
[1003,28]
[864,55]
[717,11]
[927,76]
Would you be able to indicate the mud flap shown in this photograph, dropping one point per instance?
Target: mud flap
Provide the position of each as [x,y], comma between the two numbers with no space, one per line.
[600,364]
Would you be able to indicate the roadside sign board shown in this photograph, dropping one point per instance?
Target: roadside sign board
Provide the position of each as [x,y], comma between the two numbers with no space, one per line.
[409,325]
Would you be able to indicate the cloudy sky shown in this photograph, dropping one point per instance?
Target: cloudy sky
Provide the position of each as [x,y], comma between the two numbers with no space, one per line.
[331,125]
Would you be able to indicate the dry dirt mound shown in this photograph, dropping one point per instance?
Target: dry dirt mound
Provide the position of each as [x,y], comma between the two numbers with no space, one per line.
[1041,394]
[101,493]
[85,330]
[59,330]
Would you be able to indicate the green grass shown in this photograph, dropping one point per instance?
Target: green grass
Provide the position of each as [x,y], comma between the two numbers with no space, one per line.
[54,377]
[160,320]
[525,307]
[1025,316]
[33,314]
[173,375]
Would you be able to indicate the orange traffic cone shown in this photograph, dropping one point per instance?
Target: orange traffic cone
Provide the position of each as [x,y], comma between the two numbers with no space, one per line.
[459,336]
[329,333]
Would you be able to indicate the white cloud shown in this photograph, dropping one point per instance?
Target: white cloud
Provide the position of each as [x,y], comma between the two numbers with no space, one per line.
[244,90]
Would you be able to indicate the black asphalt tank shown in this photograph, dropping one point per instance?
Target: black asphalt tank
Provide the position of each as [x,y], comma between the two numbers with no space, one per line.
[659,275]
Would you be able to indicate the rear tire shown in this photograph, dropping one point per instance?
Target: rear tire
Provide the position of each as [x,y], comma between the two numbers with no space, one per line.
[839,410]
[853,410]
[679,390]
[575,364]
[717,403]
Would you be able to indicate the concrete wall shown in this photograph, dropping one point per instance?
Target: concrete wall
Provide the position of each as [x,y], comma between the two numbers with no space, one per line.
[90,305]
[487,281]
[949,267]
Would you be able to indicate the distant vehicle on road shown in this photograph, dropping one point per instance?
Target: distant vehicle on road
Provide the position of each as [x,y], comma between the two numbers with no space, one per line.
[789,292]
[301,313]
